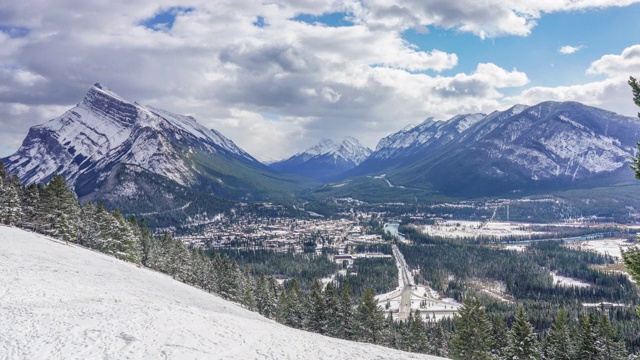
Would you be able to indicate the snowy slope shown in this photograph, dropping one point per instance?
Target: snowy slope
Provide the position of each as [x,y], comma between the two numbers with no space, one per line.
[65,302]
[326,160]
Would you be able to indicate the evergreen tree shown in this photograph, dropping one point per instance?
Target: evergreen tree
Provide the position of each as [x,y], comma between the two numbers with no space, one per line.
[63,230]
[417,331]
[30,203]
[499,337]
[248,298]
[370,320]
[296,306]
[332,309]
[586,338]
[523,344]
[264,298]
[12,214]
[557,343]
[608,347]
[346,315]
[472,338]
[284,305]
[438,342]
[317,312]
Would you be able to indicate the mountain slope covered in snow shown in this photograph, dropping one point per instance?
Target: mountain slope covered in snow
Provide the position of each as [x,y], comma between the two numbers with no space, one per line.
[540,148]
[67,302]
[106,132]
[326,160]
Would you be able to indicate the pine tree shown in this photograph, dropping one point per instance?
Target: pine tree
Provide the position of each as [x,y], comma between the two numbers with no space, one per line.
[370,320]
[417,331]
[63,230]
[438,342]
[296,306]
[523,344]
[499,337]
[12,205]
[586,338]
[608,347]
[332,308]
[283,309]
[346,315]
[557,343]
[248,298]
[317,314]
[30,203]
[472,338]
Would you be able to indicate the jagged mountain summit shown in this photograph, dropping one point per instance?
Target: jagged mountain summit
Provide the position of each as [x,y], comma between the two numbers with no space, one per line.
[108,147]
[549,146]
[326,160]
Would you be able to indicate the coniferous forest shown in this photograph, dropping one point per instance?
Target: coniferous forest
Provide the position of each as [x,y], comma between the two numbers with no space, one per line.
[548,323]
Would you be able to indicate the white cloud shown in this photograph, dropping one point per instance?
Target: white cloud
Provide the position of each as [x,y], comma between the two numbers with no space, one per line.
[362,80]
[568,49]
[612,93]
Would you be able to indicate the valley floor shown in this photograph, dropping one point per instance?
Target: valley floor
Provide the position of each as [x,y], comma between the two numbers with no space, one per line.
[65,302]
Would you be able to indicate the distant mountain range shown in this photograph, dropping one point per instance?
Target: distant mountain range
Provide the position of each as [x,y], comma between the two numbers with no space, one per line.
[326,161]
[129,155]
[525,149]
[146,160]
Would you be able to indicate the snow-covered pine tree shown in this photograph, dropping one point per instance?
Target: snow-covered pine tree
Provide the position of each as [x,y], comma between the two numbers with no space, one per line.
[606,344]
[12,213]
[30,203]
[346,314]
[586,338]
[317,321]
[523,343]
[472,338]
[284,303]
[438,341]
[418,335]
[369,318]
[557,343]
[499,337]
[58,199]
[332,307]
[249,300]
[296,306]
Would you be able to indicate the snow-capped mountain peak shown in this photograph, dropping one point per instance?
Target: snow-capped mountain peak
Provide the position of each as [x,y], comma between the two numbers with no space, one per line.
[105,129]
[326,159]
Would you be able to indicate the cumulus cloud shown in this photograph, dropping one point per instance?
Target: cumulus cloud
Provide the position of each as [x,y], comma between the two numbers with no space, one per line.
[611,93]
[568,49]
[254,71]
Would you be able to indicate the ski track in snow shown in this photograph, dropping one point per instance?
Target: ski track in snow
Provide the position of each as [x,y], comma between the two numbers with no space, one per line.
[62,301]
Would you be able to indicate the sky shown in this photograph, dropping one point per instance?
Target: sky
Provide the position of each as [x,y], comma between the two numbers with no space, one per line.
[278,76]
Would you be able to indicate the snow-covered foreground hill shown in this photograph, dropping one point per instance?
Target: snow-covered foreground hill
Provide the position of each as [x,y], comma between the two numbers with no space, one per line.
[62,301]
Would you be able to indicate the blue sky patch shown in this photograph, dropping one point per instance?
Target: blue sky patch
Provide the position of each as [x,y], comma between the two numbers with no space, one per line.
[332,19]
[164,20]
[260,22]
[14,31]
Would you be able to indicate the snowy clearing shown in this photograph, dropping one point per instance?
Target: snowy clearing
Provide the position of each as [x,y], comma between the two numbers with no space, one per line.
[609,247]
[453,229]
[564,281]
[66,302]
